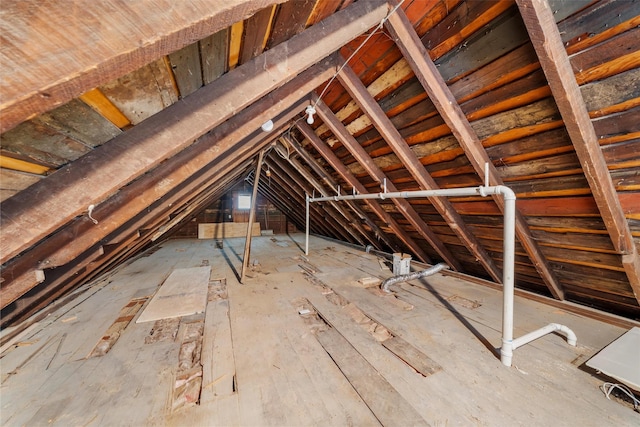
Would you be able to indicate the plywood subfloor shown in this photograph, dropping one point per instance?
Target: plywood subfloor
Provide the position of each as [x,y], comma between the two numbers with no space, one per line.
[303,342]
[183,293]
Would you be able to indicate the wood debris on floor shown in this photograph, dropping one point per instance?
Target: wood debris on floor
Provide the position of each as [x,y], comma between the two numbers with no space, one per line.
[299,346]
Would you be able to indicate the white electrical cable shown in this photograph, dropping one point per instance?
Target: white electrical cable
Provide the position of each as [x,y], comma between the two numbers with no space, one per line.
[378,27]
[89,212]
[607,388]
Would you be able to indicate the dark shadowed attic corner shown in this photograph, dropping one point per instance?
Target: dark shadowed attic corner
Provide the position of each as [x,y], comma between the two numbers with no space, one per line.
[320,212]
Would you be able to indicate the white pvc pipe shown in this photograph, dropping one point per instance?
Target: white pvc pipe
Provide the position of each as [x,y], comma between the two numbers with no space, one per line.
[508,273]
[551,327]
[508,269]
[306,241]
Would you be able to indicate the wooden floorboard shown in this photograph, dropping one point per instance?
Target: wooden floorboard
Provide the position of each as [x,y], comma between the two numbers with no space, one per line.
[264,363]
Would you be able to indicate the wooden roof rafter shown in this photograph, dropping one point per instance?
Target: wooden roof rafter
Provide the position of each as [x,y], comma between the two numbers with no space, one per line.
[425,70]
[115,248]
[351,221]
[299,186]
[411,162]
[313,165]
[352,181]
[546,39]
[377,174]
[161,136]
[55,251]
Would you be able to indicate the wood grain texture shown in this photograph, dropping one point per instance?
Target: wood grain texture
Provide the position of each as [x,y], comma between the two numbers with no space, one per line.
[351,180]
[166,133]
[365,160]
[183,293]
[122,37]
[434,84]
[547,41]
[391,410]
[417,170]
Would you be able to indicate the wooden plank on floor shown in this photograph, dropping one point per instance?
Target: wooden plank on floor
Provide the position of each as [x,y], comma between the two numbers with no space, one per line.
[389,407]
[182,294]
[112,334]
[411,355]
[217,353]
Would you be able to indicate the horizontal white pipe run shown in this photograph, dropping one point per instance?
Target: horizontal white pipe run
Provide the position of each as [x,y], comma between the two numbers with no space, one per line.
[447,192]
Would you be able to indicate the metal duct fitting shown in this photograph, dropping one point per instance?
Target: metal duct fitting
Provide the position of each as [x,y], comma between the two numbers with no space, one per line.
[412,276]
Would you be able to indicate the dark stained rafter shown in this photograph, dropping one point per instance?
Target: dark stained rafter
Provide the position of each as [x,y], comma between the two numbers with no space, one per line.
[545,36]
[57,251]
[391,135]
[415,53]
[352,181]
[61,280]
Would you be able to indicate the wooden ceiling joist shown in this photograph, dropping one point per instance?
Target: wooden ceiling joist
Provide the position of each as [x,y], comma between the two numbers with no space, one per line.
[392,136]
[546,39]
[415,53]
[352,181]
[161,136]
[377,174]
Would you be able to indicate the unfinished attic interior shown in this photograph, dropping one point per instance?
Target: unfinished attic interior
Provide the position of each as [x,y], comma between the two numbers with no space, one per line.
[320,212]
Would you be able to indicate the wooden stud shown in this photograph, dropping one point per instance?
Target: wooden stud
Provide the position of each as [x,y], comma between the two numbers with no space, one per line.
[252,215]
[58,47]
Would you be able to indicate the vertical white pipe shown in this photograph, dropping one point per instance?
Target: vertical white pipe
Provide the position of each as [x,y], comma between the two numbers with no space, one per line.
[306,239]
[508,272]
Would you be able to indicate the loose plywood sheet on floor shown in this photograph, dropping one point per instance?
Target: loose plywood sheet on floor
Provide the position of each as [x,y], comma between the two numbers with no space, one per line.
[226,230]
[182,294]
[621,359]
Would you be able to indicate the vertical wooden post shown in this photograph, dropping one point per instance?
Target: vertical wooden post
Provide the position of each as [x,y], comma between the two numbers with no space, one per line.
[252,215]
